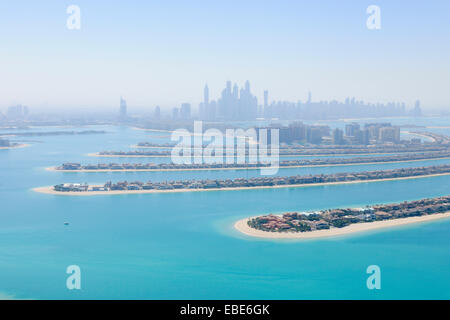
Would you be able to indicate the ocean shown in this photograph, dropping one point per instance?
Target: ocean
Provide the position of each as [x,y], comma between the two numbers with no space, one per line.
[184,246]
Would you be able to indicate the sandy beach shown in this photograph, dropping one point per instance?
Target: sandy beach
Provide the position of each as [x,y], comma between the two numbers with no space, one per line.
[252,168]
[49,189]
[152,130]
[243,227]
[420,135]
[96,154]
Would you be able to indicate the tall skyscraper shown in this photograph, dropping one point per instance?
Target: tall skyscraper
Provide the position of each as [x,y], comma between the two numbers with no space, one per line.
[235,104]
[206,95]
[123,109]
[235,92]
[175,113]
[247,86]
[266,99]
[157,113]
[185,111]
[265,109]
[228,87]
[417,112]
[338,136]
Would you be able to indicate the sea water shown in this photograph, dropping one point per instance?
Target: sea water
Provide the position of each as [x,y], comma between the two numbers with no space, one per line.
[184,246]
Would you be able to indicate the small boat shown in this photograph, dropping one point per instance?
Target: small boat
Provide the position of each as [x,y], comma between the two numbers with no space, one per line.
[66,223]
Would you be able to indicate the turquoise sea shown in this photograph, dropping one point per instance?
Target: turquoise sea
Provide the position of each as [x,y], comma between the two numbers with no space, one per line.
[183,245]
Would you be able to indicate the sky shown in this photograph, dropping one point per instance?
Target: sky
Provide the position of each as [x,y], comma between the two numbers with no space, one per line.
[163,52]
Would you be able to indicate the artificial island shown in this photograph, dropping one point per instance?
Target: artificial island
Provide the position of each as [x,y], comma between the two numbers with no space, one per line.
[126,187]
[319,162]
[336,222]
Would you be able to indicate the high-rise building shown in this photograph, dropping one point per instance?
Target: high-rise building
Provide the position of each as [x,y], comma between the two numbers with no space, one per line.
[17,112]
[417,112]
[185,111]
[266,99]
[389,134]
[175,113]
[123,109]
[295,132]
[247,86]
[338,136]
[235,104]
[206,95]
[364,137]
[351,129]
[157,113]
[314,134]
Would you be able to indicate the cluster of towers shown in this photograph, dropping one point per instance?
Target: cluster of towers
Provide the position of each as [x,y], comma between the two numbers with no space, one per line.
[233,104]
[239,104]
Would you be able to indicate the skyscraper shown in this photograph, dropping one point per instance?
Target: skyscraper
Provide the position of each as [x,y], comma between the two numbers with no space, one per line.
[17,112]
[123,110]
[338,136]
[206,95]
[352,129]
[157,113]
[233,104]
[247,86]
[185,111]
[175,113]
[266,99]
[417,112]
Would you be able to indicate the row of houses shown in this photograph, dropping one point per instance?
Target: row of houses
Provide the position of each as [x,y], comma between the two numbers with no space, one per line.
[276,181]
[296,151]
[338,218]
[286,163]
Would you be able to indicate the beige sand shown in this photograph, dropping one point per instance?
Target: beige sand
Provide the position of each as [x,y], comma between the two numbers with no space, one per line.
[96,154]
[252,168]
[152,130]
[49,190]
[135,146]
[420,135]
[243,227]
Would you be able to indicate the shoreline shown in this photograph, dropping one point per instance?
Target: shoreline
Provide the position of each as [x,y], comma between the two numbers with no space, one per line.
[49,189]
[96,154]
[15,147]
[420,135]
[152,130]
[244,228]
[241,168]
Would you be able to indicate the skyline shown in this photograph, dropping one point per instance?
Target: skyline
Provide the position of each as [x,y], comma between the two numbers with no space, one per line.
[152,54]
[239,103]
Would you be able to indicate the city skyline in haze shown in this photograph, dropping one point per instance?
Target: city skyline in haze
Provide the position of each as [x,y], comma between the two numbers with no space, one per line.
[153,55]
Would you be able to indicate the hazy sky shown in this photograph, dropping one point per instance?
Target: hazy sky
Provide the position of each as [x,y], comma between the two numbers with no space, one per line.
[163,52]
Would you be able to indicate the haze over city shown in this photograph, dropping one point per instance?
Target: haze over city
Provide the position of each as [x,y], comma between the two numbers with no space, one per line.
[164,53]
